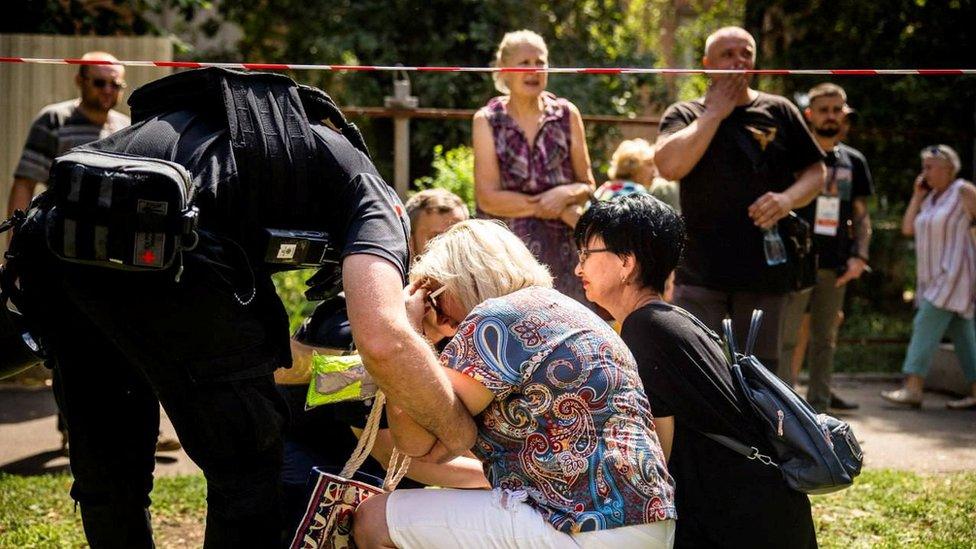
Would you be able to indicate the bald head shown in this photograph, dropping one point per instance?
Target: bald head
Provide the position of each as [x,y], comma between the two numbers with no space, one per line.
[100,86]
[730,48]
[728,32]
[99,56]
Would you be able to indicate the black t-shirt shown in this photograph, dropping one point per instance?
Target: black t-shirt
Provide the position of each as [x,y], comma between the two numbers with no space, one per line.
[848,177]
[723,499]
[757,149]
[359,210]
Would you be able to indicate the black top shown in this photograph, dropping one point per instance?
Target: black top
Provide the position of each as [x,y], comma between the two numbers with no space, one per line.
[362,213]
[848,177]
[758,148]
[723,499]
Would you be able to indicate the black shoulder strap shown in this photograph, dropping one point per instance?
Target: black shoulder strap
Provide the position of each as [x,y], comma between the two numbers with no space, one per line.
[272,141]
[754,324]
[730,338]
[749,452]
[320,106]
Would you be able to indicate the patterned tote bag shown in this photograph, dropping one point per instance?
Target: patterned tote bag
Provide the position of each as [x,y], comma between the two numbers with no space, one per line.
[327,522]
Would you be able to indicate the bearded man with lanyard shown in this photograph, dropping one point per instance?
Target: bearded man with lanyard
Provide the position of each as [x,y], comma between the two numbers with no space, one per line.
[842,237]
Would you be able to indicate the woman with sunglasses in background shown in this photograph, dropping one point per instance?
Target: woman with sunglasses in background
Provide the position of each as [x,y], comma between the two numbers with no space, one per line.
[940,215]
[629,247]
[564,428]
[531,165]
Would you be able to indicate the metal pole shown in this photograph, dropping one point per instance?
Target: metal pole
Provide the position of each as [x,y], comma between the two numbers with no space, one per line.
[403,103]
[401,155]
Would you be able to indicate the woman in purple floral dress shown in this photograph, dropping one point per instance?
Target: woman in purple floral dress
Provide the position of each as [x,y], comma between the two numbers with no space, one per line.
[532,168]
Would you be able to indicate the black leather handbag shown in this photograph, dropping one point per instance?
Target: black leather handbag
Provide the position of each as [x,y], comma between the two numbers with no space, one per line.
[798,239]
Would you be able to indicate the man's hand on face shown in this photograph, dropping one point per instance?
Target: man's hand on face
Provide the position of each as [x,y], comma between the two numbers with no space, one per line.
[770,208]
[723,93]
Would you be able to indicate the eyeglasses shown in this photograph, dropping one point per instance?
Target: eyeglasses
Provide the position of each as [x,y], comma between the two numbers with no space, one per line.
[432,299]
[104,82]
[584,253]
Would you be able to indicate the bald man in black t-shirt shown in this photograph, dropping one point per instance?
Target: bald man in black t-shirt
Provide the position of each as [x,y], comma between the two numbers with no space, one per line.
[744,159]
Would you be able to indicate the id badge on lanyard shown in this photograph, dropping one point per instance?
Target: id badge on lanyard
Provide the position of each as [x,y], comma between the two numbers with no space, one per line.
[827,217]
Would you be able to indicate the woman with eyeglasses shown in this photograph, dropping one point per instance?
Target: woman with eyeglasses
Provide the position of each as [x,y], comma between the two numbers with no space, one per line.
[531,165]
[564,429]
[940,216]
[629,248]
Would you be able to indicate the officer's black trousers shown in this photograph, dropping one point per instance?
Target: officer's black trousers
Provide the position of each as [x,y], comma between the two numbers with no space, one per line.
[121,349]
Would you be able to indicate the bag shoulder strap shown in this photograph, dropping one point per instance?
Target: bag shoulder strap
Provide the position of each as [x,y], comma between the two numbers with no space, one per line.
[754,324]
[749,452]
[399,462]
[741,448]
[730,339]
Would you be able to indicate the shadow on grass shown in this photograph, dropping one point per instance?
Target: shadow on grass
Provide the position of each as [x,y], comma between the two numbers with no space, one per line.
[52,462]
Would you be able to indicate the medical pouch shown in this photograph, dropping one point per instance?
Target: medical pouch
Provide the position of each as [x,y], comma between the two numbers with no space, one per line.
[119,211]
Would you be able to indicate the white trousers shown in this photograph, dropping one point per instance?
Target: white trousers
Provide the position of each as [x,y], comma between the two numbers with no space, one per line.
[434,519]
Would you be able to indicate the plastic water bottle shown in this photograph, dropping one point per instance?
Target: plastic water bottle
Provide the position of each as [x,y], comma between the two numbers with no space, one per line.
[774,247]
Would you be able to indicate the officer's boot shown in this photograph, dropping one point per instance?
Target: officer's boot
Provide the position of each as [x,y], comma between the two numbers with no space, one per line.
[115,526]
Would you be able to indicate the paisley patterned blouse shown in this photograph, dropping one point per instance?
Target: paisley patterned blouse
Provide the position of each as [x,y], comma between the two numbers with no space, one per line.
[533,169]
[570,427]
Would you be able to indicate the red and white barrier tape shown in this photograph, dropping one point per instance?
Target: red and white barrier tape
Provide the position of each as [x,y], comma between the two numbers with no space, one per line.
[551,70]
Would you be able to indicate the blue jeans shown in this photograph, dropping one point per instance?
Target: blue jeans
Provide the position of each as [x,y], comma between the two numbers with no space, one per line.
[930,324]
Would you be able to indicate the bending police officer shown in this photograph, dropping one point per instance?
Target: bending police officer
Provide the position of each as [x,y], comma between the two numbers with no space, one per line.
[204,336]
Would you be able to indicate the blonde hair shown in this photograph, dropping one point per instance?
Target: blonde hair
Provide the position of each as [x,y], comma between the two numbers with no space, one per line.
[629,157]
[477,260]
[509,42]
[944,152]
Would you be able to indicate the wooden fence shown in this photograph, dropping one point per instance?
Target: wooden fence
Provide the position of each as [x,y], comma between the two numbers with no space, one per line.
[26,89]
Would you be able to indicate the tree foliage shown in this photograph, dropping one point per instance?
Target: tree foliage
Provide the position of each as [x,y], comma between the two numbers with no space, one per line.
[103,18]
[457,33]
[897,115]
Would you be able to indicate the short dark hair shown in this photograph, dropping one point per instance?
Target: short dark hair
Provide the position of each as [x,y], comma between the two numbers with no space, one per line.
[826,89]
[434,200]
[637,224]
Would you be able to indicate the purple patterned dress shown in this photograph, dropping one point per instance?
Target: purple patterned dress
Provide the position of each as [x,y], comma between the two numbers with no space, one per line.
[570,429]
[534,170]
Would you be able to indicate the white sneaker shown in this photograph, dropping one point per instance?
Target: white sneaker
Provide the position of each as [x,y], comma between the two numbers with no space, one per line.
[967,403]
[903,397]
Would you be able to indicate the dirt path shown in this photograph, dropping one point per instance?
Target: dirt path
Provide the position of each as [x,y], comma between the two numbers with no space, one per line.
[932,439]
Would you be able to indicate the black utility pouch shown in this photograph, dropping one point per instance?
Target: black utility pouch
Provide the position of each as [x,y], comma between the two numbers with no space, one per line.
[120,212]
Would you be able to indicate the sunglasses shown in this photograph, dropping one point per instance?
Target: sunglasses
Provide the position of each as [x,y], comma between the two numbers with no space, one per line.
[432,299]
[103,82]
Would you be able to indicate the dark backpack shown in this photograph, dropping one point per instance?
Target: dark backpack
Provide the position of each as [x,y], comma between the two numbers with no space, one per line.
[815,453]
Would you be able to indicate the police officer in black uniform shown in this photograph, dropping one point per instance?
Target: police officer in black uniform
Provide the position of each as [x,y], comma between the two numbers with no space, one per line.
[204,336]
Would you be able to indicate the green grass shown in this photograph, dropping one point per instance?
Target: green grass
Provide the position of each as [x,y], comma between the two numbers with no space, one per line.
[883,509]
[38,512]
[897,509]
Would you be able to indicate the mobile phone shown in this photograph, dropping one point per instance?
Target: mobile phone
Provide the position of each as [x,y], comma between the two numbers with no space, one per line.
[925,185]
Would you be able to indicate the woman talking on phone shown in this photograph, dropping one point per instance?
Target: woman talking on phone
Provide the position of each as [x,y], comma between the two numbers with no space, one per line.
[940,216]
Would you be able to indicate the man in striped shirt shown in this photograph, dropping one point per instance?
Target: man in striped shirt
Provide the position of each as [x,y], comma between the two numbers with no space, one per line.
[70,123]
[63,126]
